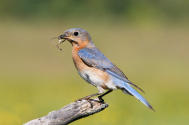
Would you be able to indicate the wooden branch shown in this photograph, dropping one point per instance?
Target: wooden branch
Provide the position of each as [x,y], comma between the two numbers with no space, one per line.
[70,113]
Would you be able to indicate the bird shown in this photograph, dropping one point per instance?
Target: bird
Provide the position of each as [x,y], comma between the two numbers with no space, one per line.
[97,69]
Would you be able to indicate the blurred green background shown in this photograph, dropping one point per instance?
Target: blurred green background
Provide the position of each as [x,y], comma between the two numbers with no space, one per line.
[148,40]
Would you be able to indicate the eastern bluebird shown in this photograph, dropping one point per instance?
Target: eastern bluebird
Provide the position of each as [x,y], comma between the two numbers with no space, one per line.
[95,68]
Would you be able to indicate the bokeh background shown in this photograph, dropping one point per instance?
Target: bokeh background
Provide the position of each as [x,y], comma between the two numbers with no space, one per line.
[148,40]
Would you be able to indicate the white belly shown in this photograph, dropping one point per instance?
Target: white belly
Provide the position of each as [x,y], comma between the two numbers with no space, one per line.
[92,77]
[96,79]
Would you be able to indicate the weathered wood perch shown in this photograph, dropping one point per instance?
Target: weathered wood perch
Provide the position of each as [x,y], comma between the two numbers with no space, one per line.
[70,113]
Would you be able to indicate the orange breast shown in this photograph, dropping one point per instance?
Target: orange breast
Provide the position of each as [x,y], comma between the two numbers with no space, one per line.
[97,76]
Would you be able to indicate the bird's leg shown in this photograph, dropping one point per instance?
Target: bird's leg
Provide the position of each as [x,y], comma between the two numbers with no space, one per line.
[100,97]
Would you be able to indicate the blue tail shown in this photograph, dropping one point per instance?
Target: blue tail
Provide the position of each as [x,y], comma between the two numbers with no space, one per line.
[126,88]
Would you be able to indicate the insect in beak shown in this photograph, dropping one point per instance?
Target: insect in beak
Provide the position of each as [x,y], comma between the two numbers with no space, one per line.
[60,41]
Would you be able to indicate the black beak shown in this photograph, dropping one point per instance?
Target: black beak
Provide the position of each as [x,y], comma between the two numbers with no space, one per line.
[64,37]
[61,36]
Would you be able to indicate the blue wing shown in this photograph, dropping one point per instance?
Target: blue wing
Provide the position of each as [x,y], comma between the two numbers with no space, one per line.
[94,58]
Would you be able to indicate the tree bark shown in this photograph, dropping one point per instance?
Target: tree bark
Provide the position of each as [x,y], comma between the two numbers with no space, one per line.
[70,113]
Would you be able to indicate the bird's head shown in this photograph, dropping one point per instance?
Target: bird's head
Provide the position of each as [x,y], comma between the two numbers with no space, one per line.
[76,36]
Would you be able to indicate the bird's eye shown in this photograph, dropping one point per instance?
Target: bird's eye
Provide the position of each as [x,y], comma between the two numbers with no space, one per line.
[76,33]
